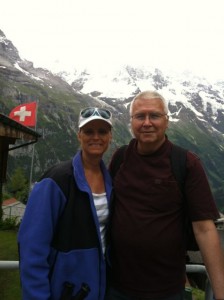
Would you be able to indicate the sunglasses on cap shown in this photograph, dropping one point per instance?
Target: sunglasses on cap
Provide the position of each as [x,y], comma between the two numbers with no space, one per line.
[94,111]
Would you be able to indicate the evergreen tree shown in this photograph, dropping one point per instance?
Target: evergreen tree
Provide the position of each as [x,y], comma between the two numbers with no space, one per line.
[18,186]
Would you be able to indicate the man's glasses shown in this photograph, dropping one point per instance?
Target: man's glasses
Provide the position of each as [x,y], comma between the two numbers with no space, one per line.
[152,116]
[94,111]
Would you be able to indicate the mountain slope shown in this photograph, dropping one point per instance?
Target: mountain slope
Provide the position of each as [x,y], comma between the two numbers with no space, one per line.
[58,108]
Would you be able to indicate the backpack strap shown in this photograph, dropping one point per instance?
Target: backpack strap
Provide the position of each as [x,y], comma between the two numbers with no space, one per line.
[114,166]
[178,164]
[118,159]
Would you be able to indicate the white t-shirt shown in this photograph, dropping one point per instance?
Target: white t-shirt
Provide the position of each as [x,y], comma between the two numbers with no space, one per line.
[100,201]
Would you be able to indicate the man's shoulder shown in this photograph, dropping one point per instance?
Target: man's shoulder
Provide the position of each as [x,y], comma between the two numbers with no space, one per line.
[190,154]
[184,154]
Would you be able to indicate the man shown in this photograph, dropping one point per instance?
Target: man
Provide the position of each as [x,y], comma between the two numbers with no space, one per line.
[147,244]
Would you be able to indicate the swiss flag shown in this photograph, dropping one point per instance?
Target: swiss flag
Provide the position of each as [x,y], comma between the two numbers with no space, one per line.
[25,114]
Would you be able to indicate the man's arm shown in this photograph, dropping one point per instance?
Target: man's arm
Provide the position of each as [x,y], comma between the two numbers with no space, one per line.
[212,253]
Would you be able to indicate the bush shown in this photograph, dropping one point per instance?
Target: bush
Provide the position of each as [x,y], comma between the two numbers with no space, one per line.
[6,196]
[9,223]
[198,294]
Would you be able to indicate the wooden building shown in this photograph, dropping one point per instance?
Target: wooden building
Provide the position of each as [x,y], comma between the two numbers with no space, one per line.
[10,132]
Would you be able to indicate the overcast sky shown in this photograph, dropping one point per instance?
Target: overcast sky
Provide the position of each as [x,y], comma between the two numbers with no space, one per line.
[102,33]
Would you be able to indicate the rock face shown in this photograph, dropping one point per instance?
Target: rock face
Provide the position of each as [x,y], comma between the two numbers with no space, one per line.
[196,109]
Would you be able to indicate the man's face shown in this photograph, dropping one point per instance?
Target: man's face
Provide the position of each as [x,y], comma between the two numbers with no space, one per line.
[149,121]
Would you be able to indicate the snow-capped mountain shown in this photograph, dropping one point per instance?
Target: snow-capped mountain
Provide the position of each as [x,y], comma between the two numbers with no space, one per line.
[196,107]
[182,91]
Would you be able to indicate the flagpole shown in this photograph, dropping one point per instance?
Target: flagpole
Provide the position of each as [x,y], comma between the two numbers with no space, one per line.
[33,153]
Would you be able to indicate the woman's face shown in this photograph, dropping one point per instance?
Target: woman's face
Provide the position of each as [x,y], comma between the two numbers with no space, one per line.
[94,137]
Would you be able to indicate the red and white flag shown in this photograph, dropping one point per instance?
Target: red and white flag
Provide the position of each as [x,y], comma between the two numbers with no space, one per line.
[25,114]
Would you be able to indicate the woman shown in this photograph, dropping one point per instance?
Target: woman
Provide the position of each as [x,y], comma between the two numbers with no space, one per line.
[61,238]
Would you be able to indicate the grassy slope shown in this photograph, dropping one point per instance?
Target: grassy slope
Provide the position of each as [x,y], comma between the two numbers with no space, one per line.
[9,279]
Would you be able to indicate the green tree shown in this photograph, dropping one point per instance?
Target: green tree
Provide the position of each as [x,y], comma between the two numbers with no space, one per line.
[18,185]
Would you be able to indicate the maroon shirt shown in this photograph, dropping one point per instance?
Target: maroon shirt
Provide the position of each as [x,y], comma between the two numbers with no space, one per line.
[148,254]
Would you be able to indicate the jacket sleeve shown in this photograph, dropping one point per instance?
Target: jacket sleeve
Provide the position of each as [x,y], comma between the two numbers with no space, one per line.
[36,231]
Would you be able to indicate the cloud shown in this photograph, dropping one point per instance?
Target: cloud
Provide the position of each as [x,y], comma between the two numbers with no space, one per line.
[175,33]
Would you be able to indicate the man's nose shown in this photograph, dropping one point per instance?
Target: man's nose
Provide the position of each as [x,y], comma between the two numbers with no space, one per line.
[147,120]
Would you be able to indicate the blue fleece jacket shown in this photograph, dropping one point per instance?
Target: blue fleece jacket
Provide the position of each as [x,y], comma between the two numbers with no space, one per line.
[59,237]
